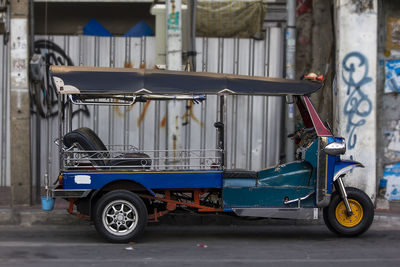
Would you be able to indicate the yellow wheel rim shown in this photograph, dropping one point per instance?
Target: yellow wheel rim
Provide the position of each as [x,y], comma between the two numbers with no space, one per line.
[354,219]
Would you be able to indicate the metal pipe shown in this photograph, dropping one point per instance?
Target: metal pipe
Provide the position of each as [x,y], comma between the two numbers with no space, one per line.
[69,116]
[96,64]
[38,154]
[298,200]
[81,63]
[264,156]
[49,135]
[290,74]
[111,109]
[222,130]
[157,109]
[126,109]
[31,28]
[60,133]
[220,63]
[343,194]
[4,113]
[236,52]
[203,104]
[142,105]
[192,5]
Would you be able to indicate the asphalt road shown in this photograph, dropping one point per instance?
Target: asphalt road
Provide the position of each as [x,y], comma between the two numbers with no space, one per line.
[271,245]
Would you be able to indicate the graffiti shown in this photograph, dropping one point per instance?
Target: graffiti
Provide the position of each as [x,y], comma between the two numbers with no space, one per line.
[358,105]
[173,18]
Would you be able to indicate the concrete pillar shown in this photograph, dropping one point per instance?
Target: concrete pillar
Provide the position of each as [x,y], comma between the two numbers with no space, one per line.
[355,93]
[158,10]
[174,34]
[174,62]
[19,106]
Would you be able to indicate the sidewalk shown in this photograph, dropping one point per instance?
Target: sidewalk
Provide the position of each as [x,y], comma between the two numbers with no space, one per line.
[386,215]
[35,216]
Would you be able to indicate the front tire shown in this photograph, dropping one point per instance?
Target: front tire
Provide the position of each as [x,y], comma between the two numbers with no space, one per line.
[120,216]
[335,215]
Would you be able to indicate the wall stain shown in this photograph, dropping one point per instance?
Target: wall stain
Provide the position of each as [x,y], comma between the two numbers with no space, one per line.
[122,113]
[358,105]
[190,114]
[361,6]
[143,113]
[163,121]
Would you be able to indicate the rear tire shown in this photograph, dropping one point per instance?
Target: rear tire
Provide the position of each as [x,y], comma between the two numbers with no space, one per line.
[335,215]
[120,216]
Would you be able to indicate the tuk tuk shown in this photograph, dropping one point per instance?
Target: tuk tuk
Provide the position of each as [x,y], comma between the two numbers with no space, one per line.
[120,187]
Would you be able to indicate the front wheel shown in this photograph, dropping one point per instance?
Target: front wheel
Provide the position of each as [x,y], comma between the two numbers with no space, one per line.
[337,220]
[120,216]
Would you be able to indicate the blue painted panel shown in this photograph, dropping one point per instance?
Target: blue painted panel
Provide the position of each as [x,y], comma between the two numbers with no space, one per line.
[335,139]
[151,180]
[312,154]
[340,164]
[240,182]
[265,196]
[291,174]
[330,173]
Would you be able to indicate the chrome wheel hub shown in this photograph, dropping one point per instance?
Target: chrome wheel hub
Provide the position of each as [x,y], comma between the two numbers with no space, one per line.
[120,217]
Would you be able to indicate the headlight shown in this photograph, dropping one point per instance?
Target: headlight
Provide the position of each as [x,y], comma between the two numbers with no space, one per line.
[336,148]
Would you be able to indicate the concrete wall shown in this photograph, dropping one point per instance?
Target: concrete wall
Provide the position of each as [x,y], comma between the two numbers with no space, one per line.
[314,51]
[355,94]
[388,103]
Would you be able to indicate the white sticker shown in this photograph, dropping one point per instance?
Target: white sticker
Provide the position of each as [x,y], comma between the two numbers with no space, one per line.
[291,111]
[82,179]
[315,217]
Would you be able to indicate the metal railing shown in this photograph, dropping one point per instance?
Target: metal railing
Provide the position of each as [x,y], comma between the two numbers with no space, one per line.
[129,157]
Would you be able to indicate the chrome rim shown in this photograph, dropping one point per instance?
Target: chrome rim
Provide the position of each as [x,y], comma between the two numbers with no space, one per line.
[120,217]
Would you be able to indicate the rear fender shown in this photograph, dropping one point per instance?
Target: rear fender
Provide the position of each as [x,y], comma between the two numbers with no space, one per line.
[344,166]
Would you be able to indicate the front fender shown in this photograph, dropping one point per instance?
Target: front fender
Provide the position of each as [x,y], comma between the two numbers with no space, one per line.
[344,166]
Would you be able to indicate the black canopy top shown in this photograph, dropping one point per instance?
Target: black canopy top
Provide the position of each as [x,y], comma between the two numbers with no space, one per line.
[112,81]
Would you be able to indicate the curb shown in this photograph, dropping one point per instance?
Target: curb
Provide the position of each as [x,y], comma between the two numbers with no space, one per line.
[28,217]
[38,217]
[387,219]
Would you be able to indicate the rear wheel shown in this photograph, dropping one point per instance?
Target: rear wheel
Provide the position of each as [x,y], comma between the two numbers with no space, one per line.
[120,216]
[337,219]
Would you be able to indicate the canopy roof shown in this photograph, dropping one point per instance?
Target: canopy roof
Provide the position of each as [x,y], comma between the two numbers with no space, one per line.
[94,80]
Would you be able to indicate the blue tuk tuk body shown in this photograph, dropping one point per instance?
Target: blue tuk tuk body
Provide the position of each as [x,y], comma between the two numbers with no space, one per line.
[121,190]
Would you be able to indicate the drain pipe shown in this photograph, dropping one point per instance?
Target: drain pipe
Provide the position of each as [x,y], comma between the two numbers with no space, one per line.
[290,74]
[192,5]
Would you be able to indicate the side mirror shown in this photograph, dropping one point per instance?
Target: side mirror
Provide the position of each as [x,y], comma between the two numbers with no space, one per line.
[335,148]
[289,99]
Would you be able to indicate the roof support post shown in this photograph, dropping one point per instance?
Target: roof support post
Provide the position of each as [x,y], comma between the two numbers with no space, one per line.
[290,74]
